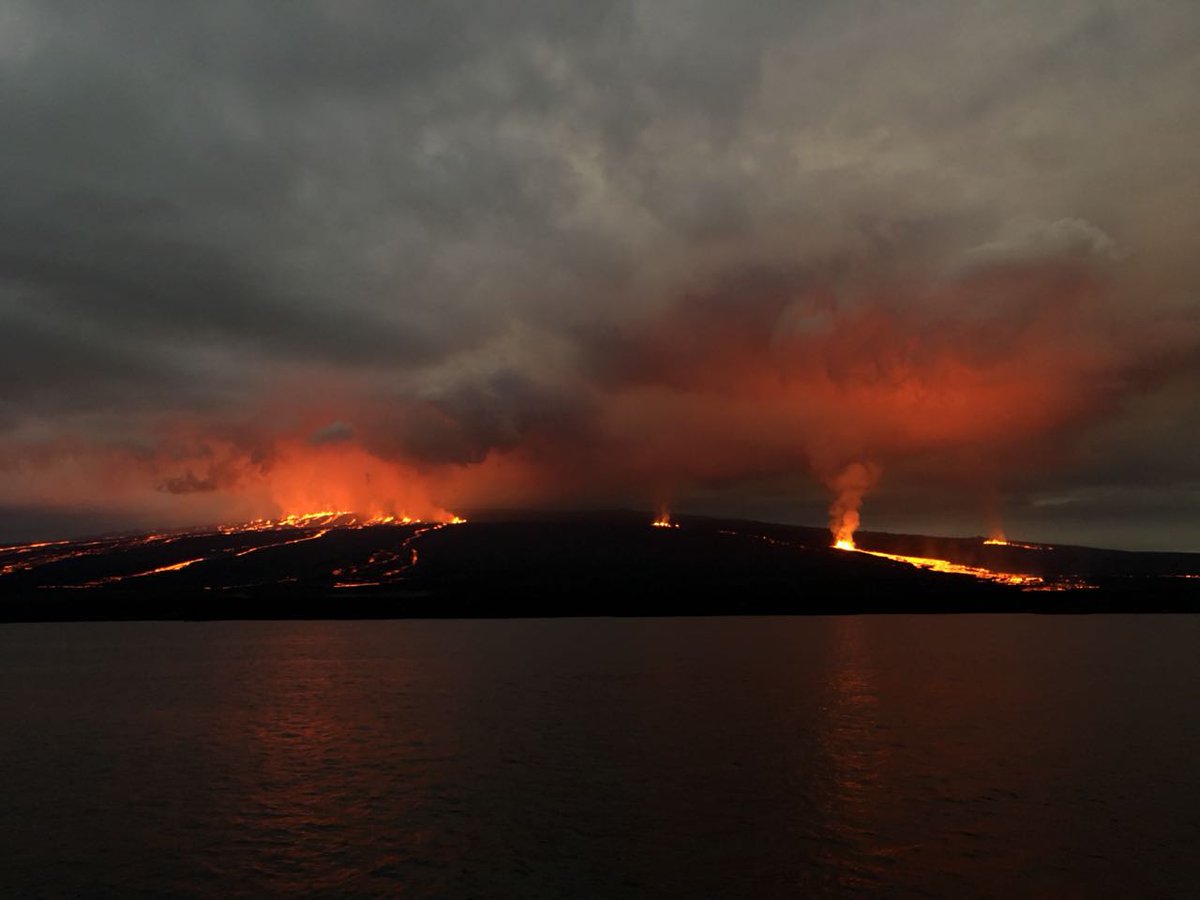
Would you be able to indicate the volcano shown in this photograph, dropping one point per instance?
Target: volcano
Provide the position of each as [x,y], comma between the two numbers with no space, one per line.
[498,564]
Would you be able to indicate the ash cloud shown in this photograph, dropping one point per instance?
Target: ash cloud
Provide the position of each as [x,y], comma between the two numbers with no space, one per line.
[601,254]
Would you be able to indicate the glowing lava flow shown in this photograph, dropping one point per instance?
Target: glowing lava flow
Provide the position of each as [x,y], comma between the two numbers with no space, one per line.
[33,556]
[1016,579]
[1002,542]
[944,565]
[317,535]
[38,564]
[664,521]
[113,579]
[386,566]
[1029,582]
[323,518]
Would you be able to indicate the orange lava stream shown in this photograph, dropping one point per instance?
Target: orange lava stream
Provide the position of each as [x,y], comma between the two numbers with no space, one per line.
[359,576]
[63,550]
[310,537]
[292,529]
[1031,582]
[1001,542]
[174,567]
[944,565]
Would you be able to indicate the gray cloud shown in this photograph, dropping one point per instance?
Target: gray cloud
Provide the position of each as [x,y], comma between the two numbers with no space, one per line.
[1023,240]
[460,224]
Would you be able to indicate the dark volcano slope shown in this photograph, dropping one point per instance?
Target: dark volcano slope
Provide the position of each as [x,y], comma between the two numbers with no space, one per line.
[560,565]
[610,568]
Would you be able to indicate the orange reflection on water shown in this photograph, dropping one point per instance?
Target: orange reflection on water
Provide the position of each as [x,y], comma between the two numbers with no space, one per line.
[337,742]
[848,736]
[316,701]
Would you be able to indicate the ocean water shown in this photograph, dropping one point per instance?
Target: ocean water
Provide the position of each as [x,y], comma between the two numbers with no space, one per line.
[725,757]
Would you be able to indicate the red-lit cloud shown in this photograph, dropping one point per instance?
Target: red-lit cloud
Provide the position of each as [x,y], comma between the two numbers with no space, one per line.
[411,261]
[991,372]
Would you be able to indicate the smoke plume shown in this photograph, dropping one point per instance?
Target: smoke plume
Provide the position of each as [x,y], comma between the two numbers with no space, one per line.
[850,485]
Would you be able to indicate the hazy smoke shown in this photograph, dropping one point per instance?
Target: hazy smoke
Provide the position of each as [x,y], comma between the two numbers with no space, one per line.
[760,374]
[188,483]
[850,485]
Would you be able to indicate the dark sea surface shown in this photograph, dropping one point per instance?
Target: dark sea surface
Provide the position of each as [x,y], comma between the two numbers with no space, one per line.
[726,757]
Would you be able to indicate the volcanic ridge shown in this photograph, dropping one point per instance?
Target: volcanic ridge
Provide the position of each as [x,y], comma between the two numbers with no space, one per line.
[335,565]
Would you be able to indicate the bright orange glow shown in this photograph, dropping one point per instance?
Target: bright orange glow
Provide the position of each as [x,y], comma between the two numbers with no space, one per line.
[664,520]
[1016,579]
[307,483]
[840,385]
[996,536]
[944,565]
[845,541]
[329,518]
[850,485]
[1001,542]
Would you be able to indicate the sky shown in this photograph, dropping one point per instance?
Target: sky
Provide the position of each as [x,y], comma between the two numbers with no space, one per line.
[933,263]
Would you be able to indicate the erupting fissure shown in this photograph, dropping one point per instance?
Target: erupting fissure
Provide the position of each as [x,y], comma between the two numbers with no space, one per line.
[850,485]
[322,518]
[328,518]
[664,519]
[1003,542]
[172,552]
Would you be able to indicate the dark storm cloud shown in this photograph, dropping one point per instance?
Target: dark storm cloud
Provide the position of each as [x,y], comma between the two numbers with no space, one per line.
[189,483]
[333,433]
[464,227]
